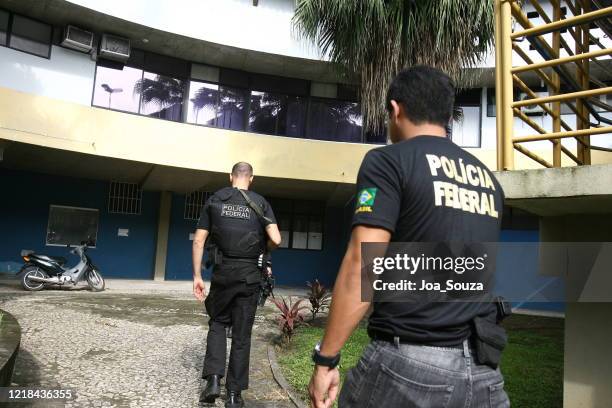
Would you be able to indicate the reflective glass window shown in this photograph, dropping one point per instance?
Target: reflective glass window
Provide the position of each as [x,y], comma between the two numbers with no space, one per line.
[116,88]
[216,105]
[203,103]
[465,132]
[160,96]
[330,119]
[277,114]
[4,20]
[30,36]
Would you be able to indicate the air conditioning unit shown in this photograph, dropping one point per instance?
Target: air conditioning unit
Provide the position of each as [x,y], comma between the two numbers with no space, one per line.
[78,39]
[532,109]
[114,48]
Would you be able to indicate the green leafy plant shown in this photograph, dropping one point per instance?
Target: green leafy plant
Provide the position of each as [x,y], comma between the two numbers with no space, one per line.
[290,316]
[319,297]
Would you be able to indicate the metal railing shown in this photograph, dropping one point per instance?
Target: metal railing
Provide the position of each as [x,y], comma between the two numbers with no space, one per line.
[568,78]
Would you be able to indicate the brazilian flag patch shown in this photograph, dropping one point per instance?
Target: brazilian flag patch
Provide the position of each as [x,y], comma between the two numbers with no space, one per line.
[365,199]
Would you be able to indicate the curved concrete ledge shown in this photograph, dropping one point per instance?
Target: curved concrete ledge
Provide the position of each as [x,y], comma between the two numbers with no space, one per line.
[10,337]
[280,379]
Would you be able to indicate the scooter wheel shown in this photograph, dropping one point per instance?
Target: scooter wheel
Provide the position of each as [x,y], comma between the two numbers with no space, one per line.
[31,285]
[95,280]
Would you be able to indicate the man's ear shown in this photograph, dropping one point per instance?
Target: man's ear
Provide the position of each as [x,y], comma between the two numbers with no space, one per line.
[231,178]
[251,179]
[395,110]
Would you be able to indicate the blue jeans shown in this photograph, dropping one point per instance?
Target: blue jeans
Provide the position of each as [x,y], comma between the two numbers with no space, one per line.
[392,375]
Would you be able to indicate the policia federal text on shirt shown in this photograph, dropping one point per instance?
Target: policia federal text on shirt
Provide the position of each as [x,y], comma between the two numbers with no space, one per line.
[421,188]
[239,235]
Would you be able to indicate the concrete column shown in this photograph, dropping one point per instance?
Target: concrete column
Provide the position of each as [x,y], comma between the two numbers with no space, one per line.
[163,227]
[588,325]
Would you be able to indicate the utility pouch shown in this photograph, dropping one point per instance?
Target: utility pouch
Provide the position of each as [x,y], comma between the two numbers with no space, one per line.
[490,339]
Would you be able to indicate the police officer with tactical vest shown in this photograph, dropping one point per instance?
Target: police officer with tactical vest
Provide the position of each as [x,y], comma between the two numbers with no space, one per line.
[240,227]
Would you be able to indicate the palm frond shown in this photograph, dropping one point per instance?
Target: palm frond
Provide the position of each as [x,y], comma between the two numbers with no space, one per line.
[375,39]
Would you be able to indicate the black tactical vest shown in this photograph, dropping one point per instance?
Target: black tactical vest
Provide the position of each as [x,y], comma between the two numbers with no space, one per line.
[236,228]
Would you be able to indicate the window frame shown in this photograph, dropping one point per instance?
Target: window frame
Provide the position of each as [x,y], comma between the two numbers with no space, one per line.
[479,144]
[72,208]
[323,99]
[247,106]
[286,95]
[93,92]
[292,214]
[9,34]
[183,116]
[8,27]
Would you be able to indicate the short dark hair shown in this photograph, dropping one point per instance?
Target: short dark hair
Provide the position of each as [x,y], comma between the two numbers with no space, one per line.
[242,169]
[426,94]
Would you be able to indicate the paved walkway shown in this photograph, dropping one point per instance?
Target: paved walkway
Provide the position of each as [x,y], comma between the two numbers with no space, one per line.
[137,344]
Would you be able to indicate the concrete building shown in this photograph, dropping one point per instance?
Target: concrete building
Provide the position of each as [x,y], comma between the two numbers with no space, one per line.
[126,152]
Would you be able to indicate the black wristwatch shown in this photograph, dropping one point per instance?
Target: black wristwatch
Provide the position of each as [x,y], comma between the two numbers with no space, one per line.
[318,359]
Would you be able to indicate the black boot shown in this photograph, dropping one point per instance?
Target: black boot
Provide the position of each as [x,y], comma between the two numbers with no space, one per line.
[234,400]
[212,390]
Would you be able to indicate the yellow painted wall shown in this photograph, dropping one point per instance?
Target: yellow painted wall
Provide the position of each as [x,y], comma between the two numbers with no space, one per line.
[52,123]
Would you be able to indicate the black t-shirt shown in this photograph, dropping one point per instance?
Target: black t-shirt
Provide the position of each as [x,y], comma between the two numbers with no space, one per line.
[233,225]
[427,189]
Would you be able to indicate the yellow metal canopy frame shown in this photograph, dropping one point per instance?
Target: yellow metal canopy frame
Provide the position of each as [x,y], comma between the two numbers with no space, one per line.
[567,78]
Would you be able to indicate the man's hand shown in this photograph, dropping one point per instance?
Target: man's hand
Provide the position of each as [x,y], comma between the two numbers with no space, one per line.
[199,289]
[324,385]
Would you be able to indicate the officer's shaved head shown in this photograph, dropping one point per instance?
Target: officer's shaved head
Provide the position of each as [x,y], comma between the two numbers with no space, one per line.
[242,169]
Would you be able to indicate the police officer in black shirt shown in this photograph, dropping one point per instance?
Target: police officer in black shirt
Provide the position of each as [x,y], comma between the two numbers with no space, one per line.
[237,236]
[421,188]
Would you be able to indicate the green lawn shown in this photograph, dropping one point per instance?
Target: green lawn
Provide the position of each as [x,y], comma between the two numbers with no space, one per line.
[532,363]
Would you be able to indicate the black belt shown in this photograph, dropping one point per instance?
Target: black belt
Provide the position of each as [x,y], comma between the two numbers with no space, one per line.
[231,259]
[376,335]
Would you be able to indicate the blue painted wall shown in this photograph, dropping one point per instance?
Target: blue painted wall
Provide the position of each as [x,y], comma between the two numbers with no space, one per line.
[291,266]
[24,210]
[24,213]
[178,260]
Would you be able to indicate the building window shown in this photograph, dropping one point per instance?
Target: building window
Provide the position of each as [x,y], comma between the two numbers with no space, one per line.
[72,225]
[25,34]
[133,90]
[216,105]
[149,84]
[194,202]
[465,130]
[331,119]
[4,24]
[114,88]
[277,114]
[160,96]
[300,223]
[124,198]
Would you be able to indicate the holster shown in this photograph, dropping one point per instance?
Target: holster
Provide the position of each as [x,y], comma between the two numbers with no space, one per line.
[215,256]
[489,341]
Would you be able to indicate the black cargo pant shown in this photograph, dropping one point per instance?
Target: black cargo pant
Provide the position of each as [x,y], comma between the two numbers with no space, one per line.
[231,302]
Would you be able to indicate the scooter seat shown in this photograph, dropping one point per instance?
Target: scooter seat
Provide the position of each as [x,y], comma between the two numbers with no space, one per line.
[57,259]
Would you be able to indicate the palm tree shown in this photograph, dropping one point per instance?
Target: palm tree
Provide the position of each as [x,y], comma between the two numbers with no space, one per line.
[374,39]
